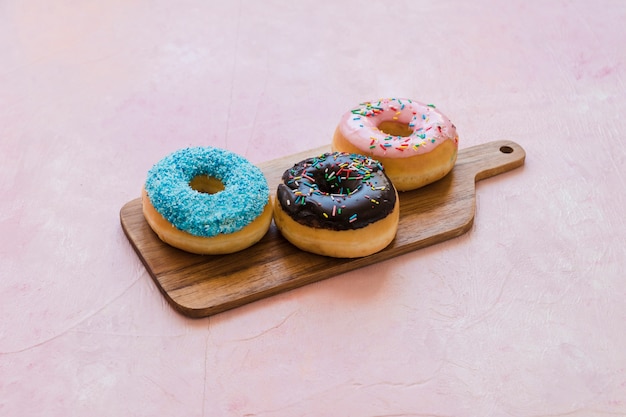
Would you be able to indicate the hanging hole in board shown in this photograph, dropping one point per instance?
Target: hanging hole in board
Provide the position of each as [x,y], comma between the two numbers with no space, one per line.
[506,149]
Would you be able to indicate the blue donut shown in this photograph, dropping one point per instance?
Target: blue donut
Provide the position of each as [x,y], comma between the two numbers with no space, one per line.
[242,200]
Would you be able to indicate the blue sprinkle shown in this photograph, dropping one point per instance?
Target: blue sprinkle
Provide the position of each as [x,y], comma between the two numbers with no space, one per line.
[243,199]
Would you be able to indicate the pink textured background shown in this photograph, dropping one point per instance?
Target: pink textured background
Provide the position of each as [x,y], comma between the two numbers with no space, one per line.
[522,316]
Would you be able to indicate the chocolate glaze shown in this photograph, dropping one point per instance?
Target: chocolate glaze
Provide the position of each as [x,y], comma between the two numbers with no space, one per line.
[337,191]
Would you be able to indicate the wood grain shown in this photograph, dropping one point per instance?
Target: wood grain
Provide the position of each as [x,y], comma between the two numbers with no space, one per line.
[199,286]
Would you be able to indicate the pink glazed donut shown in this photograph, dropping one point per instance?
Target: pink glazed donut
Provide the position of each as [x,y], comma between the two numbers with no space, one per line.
[415,142]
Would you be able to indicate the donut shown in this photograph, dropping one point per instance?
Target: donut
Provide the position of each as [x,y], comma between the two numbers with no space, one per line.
[207,201]
[415,142]
[337,204]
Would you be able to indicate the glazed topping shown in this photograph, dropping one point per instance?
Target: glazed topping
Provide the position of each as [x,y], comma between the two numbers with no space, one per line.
[396,127]
[336,191]
[244,196]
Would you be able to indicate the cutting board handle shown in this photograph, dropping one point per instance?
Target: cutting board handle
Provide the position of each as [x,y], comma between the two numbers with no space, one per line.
[492,158]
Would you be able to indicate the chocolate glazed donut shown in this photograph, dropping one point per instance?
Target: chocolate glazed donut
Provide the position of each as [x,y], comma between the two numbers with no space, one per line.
[337,191]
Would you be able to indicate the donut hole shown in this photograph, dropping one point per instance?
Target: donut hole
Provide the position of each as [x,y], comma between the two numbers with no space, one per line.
[332,182]
[206,184]
[394,128]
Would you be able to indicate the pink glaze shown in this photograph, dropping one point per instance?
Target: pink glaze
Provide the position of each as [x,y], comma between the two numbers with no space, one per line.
[430,127]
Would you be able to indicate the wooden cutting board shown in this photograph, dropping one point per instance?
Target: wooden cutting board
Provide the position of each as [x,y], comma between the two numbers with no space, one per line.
[199,286]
